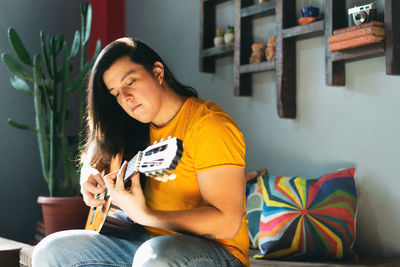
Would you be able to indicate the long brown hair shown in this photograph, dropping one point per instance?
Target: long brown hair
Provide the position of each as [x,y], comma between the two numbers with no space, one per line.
[109,127]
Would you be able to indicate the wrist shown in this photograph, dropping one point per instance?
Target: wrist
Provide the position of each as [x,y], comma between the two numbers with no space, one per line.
[147,217]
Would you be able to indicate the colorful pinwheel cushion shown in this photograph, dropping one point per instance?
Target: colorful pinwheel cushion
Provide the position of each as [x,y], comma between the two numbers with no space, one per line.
[254,204]
[308,218]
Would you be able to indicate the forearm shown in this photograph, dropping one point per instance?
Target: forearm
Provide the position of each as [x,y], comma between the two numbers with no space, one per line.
[205,221]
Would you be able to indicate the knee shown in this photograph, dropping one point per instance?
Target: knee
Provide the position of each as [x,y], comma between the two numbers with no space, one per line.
[44,253]
[158,251]
[55,249]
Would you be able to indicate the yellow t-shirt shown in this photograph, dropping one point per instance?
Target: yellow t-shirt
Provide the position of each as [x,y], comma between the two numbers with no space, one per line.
[210,139]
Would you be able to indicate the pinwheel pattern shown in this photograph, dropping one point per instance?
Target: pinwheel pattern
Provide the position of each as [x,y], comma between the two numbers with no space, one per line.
[308,218]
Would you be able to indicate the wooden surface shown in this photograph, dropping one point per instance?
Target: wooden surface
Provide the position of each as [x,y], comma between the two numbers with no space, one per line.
[285,59]
[364,261]
[243,41]
[257,67]
[312,29]
[392,37]
[264,9]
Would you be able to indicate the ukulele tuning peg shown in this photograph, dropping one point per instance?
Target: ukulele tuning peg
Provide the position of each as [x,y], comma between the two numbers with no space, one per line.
[169,137]
[164,178]
[172,176]
[155,142]
[162,139]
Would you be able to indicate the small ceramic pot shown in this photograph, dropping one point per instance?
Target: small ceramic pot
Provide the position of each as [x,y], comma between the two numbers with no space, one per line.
[228,38]
[218,41]
[310,11]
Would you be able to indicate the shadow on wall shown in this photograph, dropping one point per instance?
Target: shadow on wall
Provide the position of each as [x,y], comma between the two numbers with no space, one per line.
[368,239]
[294,164]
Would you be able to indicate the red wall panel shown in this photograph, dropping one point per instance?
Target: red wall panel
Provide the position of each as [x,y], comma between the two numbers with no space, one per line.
[108,22]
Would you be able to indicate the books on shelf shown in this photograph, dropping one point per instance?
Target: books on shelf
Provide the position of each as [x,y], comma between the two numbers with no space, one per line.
[358,35]
[356,27]
[374,31]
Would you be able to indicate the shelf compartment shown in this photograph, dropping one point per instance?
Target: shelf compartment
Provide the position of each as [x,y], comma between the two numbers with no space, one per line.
[312,29]
[361,52]
[264,9]
[257,67]
[225,50]
[217,2]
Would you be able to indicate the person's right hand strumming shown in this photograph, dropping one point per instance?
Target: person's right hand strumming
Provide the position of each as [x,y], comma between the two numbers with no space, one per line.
[92,183]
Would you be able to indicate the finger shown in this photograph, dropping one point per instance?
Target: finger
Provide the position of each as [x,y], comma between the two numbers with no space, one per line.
[92,201]
[135,179]
[99,180]
[94,189]
[109,180]
[121,174]
[95,202]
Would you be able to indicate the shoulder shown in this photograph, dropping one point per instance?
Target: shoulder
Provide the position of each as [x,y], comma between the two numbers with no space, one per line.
[216,140]
[206,113]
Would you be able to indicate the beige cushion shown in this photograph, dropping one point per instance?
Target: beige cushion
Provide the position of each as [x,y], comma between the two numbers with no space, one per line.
[25,256]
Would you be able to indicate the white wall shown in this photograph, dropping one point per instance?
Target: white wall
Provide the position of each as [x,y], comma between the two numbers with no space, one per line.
[336,127]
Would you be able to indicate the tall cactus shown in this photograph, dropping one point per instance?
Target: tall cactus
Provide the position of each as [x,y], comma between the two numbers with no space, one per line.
[52,83]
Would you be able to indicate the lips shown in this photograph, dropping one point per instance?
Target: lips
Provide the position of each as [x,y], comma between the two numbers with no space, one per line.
[135,107]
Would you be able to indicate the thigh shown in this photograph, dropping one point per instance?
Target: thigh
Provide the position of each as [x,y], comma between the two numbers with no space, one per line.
[85,248]
[183,250]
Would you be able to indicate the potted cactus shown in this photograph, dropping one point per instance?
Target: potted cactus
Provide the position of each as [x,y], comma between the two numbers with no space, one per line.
[50,83]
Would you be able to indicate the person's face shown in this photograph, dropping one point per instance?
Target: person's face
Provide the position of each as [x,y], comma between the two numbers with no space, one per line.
[137,91]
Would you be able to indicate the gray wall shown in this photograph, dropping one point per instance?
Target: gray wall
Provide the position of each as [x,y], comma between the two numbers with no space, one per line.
[21,180]
[336,127]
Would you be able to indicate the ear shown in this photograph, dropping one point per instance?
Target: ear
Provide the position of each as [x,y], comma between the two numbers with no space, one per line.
[158,71]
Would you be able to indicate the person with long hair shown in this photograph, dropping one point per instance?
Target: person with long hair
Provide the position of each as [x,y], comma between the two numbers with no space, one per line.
[195,219]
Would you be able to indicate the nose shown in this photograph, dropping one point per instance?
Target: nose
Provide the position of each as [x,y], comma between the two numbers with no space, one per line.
[125,94]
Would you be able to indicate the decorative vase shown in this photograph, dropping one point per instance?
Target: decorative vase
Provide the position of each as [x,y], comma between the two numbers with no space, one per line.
[219,38]
[310,11]
[63,213]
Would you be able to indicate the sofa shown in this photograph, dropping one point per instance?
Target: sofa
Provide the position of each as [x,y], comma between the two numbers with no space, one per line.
[26,255]
[295,221]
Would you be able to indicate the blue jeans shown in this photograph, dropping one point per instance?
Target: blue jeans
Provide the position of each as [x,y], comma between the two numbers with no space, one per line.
[89,248]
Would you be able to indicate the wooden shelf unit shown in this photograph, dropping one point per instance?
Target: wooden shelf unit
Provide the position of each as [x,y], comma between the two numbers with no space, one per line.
[209,53]
[390,47]
[288,32]
[245,12]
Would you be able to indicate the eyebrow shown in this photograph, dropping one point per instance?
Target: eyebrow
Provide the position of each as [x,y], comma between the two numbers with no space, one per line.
[123,77]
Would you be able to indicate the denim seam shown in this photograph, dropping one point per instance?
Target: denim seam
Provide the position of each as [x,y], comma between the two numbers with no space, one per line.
[217,261]
[107,263]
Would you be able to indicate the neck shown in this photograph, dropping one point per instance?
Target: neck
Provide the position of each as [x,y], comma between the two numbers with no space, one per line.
[172,103]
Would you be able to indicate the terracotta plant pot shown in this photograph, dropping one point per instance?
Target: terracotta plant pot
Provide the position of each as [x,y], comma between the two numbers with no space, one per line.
[63,213]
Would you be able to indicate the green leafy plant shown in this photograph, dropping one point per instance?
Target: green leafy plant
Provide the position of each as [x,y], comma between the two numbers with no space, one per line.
[50,82]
